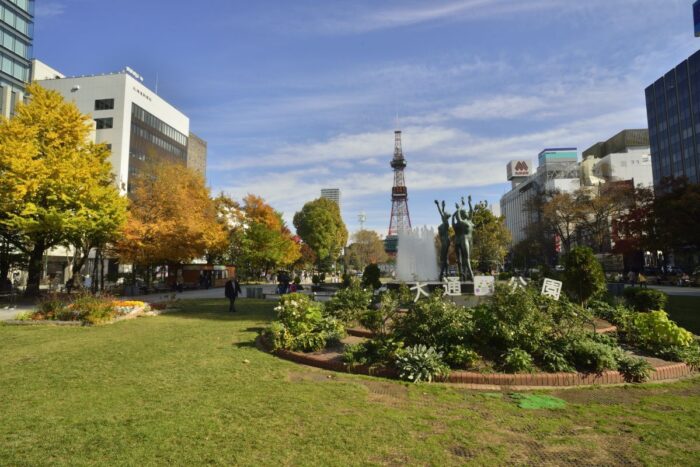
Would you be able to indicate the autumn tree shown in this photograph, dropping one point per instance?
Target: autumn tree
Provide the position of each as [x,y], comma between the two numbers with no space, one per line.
[598,208]
[171,217]
[320,226]
[367,248]
[560,216]
[258,238]
[56,186]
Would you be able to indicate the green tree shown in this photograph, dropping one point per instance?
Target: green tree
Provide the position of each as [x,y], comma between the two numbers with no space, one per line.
[583,276]
[56,186]
[491,238]
[320,226]
[371,276]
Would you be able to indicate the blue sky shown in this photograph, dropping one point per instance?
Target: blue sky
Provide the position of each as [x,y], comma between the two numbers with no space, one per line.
[294,96]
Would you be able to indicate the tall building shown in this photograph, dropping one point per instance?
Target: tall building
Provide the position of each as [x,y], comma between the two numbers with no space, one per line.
[673,112]
[625,156]
[557,170]
[132,120]
[696,17]
[197,154]
[16,33]
[332,194]
[400,218]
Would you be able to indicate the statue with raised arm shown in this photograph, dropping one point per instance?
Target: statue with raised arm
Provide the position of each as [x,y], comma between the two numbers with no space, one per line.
[464,228]
[444,233]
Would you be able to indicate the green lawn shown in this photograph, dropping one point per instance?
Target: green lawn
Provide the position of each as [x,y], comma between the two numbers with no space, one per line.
[191,388]
[685,311]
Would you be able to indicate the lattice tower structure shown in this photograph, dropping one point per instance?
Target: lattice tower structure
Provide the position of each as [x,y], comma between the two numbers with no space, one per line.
[400,217]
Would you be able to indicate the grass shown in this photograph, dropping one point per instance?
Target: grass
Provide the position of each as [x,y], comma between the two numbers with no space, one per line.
[191,388]
[685,310]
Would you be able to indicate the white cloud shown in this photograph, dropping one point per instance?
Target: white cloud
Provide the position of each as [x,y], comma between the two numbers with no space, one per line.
[49,9]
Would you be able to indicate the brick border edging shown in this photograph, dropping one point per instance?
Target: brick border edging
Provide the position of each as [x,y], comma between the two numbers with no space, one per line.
[671,371]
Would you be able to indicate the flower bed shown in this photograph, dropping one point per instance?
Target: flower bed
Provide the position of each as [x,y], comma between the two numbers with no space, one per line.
[518,335]
[85,309]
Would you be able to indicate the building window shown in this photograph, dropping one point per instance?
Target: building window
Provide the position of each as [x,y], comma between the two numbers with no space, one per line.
[104,123]
[104,104]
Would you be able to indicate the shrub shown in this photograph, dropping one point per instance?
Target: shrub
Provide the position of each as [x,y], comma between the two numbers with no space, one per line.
[301,326]
[435,322]
[378,318]
[350,303]
[656,333]
[504,276]
[645,300]
[49,306]
[420,363]
[590,356]
[370,276]
[374,352]
[583,275]
[634,369]
[555,361]
[615,314]
[91,309]
[461,356]
[517,361]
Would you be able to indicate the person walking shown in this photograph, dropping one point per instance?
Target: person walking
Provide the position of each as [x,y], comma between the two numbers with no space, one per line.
[642,279]
[232,289]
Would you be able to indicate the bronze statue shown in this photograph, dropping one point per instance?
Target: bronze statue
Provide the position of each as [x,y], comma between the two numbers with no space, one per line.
[444,232]
[463,227]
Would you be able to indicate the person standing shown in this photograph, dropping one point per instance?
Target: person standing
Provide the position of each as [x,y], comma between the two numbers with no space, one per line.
[232,289]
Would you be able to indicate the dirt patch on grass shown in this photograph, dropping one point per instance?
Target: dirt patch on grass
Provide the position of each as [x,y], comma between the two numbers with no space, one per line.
[392,394]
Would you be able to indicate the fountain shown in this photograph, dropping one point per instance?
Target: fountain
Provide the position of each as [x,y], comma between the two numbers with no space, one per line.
[416,259]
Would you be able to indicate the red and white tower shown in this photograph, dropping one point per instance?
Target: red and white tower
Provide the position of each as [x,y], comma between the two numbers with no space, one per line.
[400,218]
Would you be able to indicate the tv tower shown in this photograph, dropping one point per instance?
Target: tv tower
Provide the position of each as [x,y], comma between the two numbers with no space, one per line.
[400,218]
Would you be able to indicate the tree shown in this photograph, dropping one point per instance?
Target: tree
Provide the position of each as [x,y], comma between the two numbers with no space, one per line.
[366,248]
[560,215]
[583,276]
[371,276]
[171,217]
[258,238]
[491,238]
[320,226]
[56,186]
[597,210]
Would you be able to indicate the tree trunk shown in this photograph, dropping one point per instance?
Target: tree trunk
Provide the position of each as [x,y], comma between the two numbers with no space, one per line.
[34,270]
[4,259]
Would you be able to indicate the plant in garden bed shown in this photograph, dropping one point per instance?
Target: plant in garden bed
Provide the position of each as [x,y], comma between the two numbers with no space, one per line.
[421,363]
[302,326]
[634,369]
[645,300]
[348,304]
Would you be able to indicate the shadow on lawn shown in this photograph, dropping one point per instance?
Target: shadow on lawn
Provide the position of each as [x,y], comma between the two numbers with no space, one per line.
[217,309]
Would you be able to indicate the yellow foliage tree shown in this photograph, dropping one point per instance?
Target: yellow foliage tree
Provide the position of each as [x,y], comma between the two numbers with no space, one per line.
[56,186]
[171,217]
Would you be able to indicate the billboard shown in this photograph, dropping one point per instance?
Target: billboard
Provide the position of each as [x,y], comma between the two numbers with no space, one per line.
[696,17]
[518,169]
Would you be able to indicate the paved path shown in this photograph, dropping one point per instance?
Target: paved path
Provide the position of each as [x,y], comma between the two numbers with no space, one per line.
[683,291]
[8,312]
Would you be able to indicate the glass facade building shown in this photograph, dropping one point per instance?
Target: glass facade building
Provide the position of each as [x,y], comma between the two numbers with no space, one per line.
[673,113]
[16,32]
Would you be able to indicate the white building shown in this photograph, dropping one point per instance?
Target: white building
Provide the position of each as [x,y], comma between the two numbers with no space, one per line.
[332,194]
[557,171]
[625,156]
[131,119]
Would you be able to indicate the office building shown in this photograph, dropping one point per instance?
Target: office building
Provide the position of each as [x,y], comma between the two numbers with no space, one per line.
[197,154]
[332,194]
[673,113]
[16,33]
[624,157]
[557,170]
[132,120]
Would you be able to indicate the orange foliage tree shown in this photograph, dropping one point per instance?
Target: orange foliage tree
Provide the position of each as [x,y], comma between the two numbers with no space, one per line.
[171,217]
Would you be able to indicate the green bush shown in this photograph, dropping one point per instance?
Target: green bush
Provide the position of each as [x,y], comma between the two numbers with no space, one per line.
[371,276]
[435,322]
[517,361]
[49,306]
[615,314]
[378,318]
[91,309]
[645,300]
[583,275]
[555,361]
[461,356]
[634,369]
[350,303]
[301,326]
[420,363]
[373,352]
[590,356]
[656,333]
[504,276]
